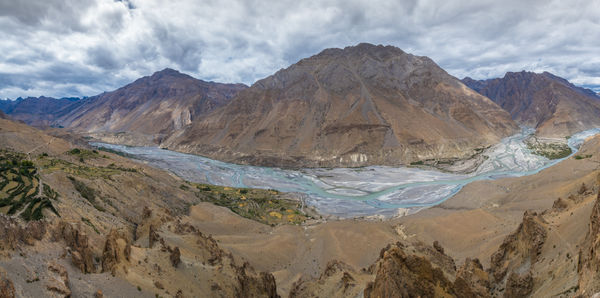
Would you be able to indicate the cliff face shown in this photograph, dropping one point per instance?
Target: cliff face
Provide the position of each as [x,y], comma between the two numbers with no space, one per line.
[512,264]
[150,107]
[355,106]
[402,274]
[589,256]
[549,103]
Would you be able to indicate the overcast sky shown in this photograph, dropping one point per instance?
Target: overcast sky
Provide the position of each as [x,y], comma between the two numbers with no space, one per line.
[84,47]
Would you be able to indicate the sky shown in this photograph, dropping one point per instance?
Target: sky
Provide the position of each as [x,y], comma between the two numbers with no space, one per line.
[84,47]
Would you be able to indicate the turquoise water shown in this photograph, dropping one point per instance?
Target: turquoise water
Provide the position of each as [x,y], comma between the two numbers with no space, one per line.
[352,192]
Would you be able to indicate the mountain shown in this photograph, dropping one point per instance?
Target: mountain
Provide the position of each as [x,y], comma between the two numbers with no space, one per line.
[555,107]
[361,105]
[151,107]
[38,111]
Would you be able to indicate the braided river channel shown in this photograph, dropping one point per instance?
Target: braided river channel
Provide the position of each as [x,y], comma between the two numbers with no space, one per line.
[354,192]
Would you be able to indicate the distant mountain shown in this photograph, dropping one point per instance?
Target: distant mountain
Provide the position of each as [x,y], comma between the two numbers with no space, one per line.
[38,111]
[151,107]
[551,104]
[356,106]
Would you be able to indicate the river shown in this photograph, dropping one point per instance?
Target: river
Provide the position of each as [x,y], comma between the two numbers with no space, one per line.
[353,192]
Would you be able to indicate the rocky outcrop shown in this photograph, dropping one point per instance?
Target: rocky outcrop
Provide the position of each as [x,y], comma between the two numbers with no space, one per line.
[58,280]
[214,254]
[589,255]
[117,249]
[512,264]
[252,284]
[7,288]
[229,278]
[153,237]
[175,257]
[560,204]
[337,280]
[15,232]
[81,253]
[472,280]
[518,285]
[400,274]
[357,106]
[521,248]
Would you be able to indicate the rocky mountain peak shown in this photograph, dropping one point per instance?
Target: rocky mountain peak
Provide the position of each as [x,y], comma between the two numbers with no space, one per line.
[168,73]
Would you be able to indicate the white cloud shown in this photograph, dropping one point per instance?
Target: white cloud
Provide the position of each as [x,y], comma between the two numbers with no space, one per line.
[70,47]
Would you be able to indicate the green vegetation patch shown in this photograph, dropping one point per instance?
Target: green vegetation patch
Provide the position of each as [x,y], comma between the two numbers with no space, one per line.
[19,182]
[549,150]
[265,206]
[115,152]
[86,192]
[89,223]
[83,154]
[78,170]
[582,156]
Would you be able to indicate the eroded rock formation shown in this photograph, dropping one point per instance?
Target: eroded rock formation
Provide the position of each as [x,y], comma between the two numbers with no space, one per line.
[81,253]
[521,248]
[15,232]
[589,255]
[400,274]
[117,249]
[7,288]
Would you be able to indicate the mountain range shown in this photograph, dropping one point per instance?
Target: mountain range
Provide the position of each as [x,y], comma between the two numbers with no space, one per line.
[357,106]
[38,111]
[552,105]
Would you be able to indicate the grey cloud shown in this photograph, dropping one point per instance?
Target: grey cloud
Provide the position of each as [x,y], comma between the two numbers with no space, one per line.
[103,57]
[69,47]
[63,14]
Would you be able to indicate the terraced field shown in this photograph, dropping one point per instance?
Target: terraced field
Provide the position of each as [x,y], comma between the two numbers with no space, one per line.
[20,190]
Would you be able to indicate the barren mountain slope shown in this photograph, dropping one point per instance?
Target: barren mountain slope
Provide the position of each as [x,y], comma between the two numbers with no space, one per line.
[150,108]
[38,111]
[355,106]
[108,225]
[555,107]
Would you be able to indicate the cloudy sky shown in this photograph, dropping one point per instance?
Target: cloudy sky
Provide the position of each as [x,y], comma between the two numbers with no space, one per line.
[83,47]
